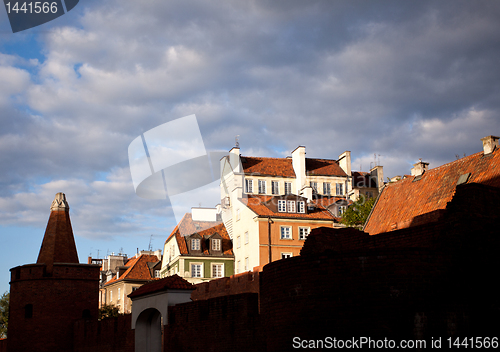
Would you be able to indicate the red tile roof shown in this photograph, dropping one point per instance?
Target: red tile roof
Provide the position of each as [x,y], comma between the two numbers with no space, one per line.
[268,166]
[138,269]
[174,282]
[282,167]
[257,204]
[187,226]
[401,203]
[323,167]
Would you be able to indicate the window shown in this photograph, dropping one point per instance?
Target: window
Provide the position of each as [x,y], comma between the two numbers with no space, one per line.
[238,242]
[216,244]
[282,206]
[314,186]
[288,188]
[262,186]
[111,296]
[195,270]
[286,255]
[217,270]
[238,214]
[247,237]
[286,232]
[341,210]
[326,188]
[238,267]
[275,187]
[246,264]
[303,232]
[340,188]
[291,206]
[195,244]
[248,186]
[119,291]
[301,207]
[157,273]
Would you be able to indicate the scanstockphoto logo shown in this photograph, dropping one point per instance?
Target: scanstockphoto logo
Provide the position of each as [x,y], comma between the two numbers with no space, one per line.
[170,162]
[28,14]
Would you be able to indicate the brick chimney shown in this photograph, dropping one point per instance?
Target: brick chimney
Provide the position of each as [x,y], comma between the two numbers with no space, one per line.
[490,143]
[419,168]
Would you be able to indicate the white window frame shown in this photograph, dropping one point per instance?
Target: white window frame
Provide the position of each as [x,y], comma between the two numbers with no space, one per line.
[286,255]
[301,232]
[238,242]
[238,214]
[248,185]
[119,291]
[340,189]
[200,265]
[286,232]
[275,187]
[327,188]
[290,206]
[247,264]
[247,237]
[195,244]
[314,186]
[217,265]
[216,244]
[282,206]
[301,207]
[238,267]
[288,188]
[341,210]
[262,186]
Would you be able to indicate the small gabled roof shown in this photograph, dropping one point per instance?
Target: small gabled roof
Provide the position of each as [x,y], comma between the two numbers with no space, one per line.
[174,282]
[205,229]
[258,204]
[138,268]
[400,203]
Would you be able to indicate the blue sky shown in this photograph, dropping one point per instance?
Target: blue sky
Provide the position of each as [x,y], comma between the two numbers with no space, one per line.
[398,80]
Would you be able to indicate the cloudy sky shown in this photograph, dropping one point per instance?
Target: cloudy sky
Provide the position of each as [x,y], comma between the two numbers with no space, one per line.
[398,80]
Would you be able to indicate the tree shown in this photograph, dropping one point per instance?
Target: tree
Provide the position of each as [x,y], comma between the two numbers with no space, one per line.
[357,213]
[4,314]
[108,311]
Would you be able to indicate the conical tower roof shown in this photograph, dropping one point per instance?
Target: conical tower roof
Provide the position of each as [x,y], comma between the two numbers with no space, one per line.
[58,244]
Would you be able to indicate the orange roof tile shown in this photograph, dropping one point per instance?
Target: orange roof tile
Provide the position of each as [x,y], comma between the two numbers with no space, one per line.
[257,204]
[268,166]
[323,167]
[400,203]
[138,269]
[167,283]
[187,226]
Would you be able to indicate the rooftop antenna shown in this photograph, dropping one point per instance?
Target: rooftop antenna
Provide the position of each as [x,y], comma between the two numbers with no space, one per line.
[237,141]
[150,247]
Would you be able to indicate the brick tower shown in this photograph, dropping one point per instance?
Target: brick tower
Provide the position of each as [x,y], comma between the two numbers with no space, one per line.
[47,297]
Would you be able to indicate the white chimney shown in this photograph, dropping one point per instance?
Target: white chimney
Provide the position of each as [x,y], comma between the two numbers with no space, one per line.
[419,168]
[345,162]
[490,143]
[299,166]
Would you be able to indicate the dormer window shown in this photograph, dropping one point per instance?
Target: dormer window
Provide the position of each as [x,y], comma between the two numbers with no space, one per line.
[216,244]
[262,186]
[248,186]
[301,207]
[195,244]
[282,206]
[291,206]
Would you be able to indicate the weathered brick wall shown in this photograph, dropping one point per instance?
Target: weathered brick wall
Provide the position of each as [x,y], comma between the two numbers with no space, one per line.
[229,323]
[107,335]
[235,284]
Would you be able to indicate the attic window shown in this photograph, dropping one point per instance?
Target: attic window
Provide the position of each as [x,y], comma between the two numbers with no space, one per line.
[417,178]
[195,244]
[216,244]
[463,178]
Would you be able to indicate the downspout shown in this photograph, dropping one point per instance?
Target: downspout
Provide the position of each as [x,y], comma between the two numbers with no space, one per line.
[269,222]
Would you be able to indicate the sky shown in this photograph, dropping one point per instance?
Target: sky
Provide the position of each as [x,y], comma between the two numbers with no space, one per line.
[390,81]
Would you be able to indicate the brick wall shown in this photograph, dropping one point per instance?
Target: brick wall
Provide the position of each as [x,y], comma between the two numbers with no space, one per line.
[3,345]
[235,284]
[107,335]
[229,323]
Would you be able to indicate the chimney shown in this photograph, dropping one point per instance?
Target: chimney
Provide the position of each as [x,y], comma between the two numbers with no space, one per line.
[419,168]
[299,166]
[490,143]
[378,173]
[345,162]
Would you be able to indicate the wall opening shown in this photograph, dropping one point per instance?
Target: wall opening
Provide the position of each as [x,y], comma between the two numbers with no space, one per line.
[148,331]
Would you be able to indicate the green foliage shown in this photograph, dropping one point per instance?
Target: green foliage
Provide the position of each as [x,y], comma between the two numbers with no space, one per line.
[108,311]
[4,314]
[357,213]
